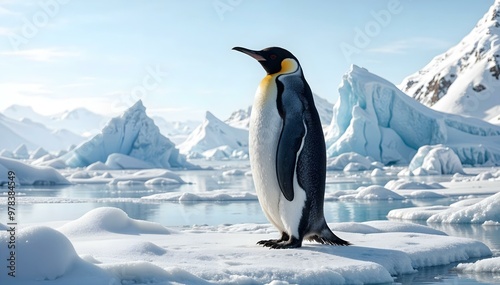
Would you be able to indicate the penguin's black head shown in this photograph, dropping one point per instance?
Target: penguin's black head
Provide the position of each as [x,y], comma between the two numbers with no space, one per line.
[270,58]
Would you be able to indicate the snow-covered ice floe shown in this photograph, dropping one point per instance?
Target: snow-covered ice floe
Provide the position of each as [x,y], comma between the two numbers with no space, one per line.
[215,195]
[28,175]
[105,246]
[484,211]
[148,177]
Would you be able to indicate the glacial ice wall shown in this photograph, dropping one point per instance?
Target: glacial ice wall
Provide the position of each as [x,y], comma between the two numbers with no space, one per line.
[374,118]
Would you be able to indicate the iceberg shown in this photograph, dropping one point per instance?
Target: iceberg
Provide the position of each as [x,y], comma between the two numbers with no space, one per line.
[133,134]
[374,118]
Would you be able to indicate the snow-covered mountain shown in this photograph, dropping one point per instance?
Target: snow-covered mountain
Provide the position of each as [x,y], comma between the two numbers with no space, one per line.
[133,134]
[80,120]
[374,118]
[33,135]
[176,131]
[215,139]
[241,118]
[465,79]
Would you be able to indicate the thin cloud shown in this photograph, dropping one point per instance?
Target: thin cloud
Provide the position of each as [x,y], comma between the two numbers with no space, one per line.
[40,54]
[5,31]
[405,46]
[5,11]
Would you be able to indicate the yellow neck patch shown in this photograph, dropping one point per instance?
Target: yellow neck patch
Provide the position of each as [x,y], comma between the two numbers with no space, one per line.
[288,65]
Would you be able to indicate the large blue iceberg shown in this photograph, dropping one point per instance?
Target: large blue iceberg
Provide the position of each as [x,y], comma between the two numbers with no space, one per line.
[374,118]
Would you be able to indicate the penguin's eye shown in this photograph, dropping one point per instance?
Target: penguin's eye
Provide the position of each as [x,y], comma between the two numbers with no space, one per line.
[273,56]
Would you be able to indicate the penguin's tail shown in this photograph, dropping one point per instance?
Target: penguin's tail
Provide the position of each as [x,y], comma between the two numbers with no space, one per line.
[328,237]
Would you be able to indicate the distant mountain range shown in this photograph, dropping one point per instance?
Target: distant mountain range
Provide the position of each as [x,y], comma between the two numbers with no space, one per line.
[465,79]
[34,135]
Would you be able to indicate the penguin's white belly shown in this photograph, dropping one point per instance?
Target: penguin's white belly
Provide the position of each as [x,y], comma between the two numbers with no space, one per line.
[265,131]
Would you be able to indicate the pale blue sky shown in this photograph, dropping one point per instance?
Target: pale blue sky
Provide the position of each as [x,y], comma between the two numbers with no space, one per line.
[177,57]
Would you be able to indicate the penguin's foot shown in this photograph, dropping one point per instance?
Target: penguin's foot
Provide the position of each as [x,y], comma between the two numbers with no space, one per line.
[280,244]
[270,242]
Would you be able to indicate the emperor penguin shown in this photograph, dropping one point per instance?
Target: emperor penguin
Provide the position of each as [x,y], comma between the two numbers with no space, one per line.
[287,152]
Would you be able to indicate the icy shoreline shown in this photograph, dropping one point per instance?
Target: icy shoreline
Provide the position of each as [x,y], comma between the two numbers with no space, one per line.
[105,246]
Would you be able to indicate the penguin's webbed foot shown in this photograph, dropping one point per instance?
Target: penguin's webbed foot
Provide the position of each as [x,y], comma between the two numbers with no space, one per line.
[271,242]
[280,244]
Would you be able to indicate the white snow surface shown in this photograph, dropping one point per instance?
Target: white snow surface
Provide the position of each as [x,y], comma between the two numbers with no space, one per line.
[214,139]
[374,118]
[133,134]
[105,246]
[465,79]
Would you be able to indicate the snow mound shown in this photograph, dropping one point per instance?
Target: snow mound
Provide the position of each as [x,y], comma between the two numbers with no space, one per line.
[30,175]
[217,137]
[373,192]
[436,159]
[374,118]
[42,253]
[133,134]
[113,220]
[486,210]
[425,195]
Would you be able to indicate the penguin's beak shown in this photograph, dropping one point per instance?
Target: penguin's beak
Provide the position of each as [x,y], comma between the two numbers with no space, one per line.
[253,53]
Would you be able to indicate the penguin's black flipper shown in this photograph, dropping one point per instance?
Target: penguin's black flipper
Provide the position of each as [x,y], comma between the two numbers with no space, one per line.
[286,156]
[292,133]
